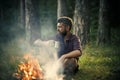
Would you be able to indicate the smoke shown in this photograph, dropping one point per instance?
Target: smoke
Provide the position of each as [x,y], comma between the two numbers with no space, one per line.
[47,55]
[47,28]
[45,51]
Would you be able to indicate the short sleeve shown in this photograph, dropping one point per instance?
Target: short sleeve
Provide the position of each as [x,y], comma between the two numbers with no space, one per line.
[76,43]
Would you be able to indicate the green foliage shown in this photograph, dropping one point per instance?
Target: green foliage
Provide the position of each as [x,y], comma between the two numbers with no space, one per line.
[99,63]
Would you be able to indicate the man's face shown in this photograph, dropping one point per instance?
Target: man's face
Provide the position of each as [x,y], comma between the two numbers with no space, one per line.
[62,28]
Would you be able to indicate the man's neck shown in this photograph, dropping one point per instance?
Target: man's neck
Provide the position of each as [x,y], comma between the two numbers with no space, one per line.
[67,36]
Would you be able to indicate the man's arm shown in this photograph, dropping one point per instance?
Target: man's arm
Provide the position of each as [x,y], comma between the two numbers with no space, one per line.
[72,54]
[43,43]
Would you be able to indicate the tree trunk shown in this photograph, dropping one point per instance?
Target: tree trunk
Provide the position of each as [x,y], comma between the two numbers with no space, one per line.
[81,21]
[103,28]
[62,8]
[32,28]
[28,13]
[22,14]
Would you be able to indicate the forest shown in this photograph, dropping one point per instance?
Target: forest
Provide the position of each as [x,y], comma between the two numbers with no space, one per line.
[96,23]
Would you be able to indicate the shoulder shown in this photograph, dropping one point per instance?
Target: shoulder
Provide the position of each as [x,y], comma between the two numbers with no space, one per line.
[73,36]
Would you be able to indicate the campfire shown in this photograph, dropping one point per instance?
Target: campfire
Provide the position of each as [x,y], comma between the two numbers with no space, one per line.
[29,69]
[40,65]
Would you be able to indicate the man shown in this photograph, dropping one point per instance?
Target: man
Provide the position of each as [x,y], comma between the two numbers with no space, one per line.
[69,50]
[68,45]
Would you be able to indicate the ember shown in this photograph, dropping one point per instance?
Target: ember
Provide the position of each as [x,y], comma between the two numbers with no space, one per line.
[29,69]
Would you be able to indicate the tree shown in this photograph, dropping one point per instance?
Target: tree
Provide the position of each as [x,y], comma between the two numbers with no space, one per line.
[103,28]
[81,20]
[31,22]
[62,8]
[22,14]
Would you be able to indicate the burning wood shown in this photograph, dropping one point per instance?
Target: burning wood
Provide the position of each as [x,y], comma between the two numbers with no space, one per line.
[29,69]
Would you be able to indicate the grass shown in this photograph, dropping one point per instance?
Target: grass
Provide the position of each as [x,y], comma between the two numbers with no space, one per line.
[99,63]
[96,63]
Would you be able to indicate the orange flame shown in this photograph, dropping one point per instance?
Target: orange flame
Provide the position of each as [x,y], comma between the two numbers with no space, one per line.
[29,69]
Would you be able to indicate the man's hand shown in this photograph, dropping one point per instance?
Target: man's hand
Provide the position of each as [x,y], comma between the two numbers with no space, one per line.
[62,58]
[38,42]
[45,43]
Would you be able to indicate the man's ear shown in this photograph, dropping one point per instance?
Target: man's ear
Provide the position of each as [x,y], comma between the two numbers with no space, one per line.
[68,28]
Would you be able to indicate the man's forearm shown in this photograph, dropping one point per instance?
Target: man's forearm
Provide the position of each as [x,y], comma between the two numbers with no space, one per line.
[72,54]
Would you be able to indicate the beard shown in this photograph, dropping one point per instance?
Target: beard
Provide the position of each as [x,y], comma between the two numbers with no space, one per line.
[63,33]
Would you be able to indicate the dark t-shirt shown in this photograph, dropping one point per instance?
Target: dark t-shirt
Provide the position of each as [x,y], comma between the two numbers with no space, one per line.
[72,43]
